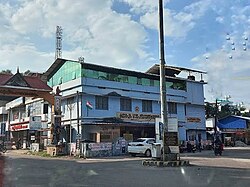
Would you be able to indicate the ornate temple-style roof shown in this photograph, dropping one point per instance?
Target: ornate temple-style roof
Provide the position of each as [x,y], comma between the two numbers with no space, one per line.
[24,86]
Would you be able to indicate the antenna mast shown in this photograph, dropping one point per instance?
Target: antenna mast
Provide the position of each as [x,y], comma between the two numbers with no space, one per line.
[58,53]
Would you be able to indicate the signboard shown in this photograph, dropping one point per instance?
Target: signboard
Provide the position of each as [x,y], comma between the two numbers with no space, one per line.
[35,123]
[129,116]
[58,105]
[100,146]
[158,129]
[78,139]
[174,149]
[172,125]
[19,127]
[171,138]
[193,120]
[233,130]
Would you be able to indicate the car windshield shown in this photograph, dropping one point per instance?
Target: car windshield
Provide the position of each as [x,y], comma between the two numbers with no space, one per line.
[140,140]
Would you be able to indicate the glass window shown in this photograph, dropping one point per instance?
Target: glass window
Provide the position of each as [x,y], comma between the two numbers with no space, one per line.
[152,82]
[132,80]
[66,72]
[125,79]
[101,103]
[103,76]
[146,106]
[145,82]
[139,81]
[125,104]
[172,108]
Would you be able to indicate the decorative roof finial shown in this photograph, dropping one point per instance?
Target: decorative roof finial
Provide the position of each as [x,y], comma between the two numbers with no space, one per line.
[17,69]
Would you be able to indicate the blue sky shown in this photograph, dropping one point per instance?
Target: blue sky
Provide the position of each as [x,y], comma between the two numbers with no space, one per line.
[123,33]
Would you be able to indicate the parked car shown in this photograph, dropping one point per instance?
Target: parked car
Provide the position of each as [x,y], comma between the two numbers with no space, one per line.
[141,146]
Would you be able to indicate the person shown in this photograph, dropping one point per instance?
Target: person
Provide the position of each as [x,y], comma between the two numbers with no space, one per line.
[218,146]
[189,147]
[199,146]
[18,143]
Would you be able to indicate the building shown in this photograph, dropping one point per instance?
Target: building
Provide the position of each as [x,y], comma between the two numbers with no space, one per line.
[100,103]
[28,114]
[235,128]
[3,120]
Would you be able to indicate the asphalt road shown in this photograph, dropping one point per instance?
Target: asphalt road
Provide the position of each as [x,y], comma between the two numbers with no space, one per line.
[25,171]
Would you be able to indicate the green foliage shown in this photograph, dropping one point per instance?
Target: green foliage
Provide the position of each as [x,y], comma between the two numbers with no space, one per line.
[7,71]
[40,153]
[223,111]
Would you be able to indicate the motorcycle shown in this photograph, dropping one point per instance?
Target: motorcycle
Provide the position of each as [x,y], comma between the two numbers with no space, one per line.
[218,150]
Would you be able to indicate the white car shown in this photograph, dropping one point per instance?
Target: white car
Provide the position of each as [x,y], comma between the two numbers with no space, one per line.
[141,146]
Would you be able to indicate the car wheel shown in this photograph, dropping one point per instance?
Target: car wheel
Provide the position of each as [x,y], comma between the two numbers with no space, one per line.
[148,153]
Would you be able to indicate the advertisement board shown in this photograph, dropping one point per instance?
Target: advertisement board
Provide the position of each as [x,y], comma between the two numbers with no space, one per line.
[35,122]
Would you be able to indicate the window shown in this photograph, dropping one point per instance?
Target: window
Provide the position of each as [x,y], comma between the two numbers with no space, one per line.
[146,106]
[139,81]
[101,103]
[172,108]
[45,108]
[125,104]
[151,82]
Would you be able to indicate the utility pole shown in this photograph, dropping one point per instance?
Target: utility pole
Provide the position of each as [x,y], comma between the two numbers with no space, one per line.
[215,118]
[162,78]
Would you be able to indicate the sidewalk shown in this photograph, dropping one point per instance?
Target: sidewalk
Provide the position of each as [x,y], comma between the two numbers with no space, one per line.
[25,154]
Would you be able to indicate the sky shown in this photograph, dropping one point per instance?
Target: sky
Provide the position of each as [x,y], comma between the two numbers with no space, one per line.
[207,35]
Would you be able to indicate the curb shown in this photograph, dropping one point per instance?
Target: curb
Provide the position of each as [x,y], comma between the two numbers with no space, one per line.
[177,163]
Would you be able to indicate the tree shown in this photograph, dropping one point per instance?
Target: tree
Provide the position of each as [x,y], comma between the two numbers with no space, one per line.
[7,71]
[27,72]
[223,111]
[210,110]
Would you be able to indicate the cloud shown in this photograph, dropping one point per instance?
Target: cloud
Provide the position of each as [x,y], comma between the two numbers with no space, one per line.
[177,24]
[226,76]
[142,6]
[26,57]
[220,19]
[90,29]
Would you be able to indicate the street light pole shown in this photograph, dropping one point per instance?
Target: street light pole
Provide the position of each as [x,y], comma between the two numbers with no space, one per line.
[162,77]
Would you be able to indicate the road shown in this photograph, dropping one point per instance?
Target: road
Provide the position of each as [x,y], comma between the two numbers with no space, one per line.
[232,169]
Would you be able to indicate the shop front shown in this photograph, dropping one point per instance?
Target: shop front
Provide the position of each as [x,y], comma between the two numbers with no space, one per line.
[234,128]
[230,136]
[26,133]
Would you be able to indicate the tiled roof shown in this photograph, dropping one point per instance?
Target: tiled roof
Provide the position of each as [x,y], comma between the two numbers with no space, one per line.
[4,78]
[37,83]
[34,82]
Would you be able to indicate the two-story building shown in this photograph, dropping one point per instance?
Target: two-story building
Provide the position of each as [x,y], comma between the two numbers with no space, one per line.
[103,103]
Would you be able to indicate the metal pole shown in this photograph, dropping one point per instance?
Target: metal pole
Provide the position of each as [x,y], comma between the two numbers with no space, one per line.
[162,77]
[70,116]
[215,118]
[77,108]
